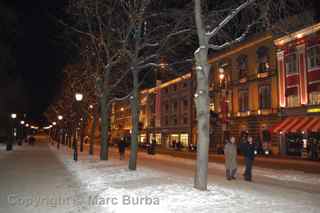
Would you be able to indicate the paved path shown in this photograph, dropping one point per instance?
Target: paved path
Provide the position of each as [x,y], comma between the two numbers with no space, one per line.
[33,179]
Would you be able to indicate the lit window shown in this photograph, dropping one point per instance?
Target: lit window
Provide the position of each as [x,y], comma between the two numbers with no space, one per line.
[293,101]
[314,98]
[291,64]
[184,138]
[243,101]
[314,57]
[265,97]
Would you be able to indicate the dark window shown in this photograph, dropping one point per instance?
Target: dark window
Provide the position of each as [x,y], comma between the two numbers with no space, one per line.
[265,97]
[166,120]
[185,104]
[174,120]
[174,87]
[242,61]
[263,59]
[185,84]
[314,57]
[175,106]
[291,64]
[243,100]
[166,106]
[185,119]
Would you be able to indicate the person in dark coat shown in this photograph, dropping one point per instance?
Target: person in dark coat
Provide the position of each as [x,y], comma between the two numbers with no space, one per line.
[122,148]
[247,149]
[314,150]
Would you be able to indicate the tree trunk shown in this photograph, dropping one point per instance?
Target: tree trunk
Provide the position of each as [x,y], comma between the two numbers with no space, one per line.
[83,125]
[105,121]
[134,99]
[92,133]
[202,103]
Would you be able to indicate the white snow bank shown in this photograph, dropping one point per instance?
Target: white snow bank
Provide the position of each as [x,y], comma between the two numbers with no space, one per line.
[108,186]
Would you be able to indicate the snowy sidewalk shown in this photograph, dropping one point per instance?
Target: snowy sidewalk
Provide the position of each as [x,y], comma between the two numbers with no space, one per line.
[163,184]
[32,179]
[45,179]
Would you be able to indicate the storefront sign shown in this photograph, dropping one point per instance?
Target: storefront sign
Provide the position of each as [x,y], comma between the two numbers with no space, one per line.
[313,110]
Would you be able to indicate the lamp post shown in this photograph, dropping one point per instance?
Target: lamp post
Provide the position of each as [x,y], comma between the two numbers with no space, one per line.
[13,132]
[78,97]
[60,117]
[21,132]
[223,77]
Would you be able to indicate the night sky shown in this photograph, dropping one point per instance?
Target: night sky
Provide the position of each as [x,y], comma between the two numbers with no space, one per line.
[40,51]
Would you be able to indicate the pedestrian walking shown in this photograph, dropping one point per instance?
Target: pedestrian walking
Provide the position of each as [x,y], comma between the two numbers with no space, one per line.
[122,148]
[247,148]
[230,154]
[314,150]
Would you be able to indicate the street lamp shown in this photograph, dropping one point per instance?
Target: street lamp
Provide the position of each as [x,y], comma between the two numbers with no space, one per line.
[54,123]
[78,97]
[13,132]
[60,117]
[21,122]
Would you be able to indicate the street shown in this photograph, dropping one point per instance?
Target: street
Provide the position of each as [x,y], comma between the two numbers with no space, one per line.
[44,179]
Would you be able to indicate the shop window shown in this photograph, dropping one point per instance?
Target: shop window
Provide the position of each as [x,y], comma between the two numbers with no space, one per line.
[243,100]
[313,57]
[263,59]
[291,64]
[184,139]
[242,62]
[293,101]
[314,98]
[265,97]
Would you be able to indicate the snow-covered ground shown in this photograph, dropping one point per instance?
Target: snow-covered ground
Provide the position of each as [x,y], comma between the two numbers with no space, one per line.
[160,188]
[161,184]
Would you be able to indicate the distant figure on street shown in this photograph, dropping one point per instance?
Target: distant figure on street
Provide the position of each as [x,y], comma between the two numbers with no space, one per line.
[230,154]
[247,148]
[32,140]
[122,148]
[314,150]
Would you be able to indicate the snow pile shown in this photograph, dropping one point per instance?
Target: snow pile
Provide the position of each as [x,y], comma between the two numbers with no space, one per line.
[108,186]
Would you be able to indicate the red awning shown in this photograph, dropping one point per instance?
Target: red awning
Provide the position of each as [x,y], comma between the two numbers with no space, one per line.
[316,126]
[298,124]
[312,123]
[304,121]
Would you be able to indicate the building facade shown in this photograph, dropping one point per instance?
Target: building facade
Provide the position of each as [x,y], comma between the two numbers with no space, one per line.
[268,88]
[244,91]
[298,59]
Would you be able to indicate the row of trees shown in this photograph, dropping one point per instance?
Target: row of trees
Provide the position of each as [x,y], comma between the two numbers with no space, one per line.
[122,40]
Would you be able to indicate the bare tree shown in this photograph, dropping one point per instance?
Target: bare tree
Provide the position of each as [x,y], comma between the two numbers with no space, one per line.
[214,34]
